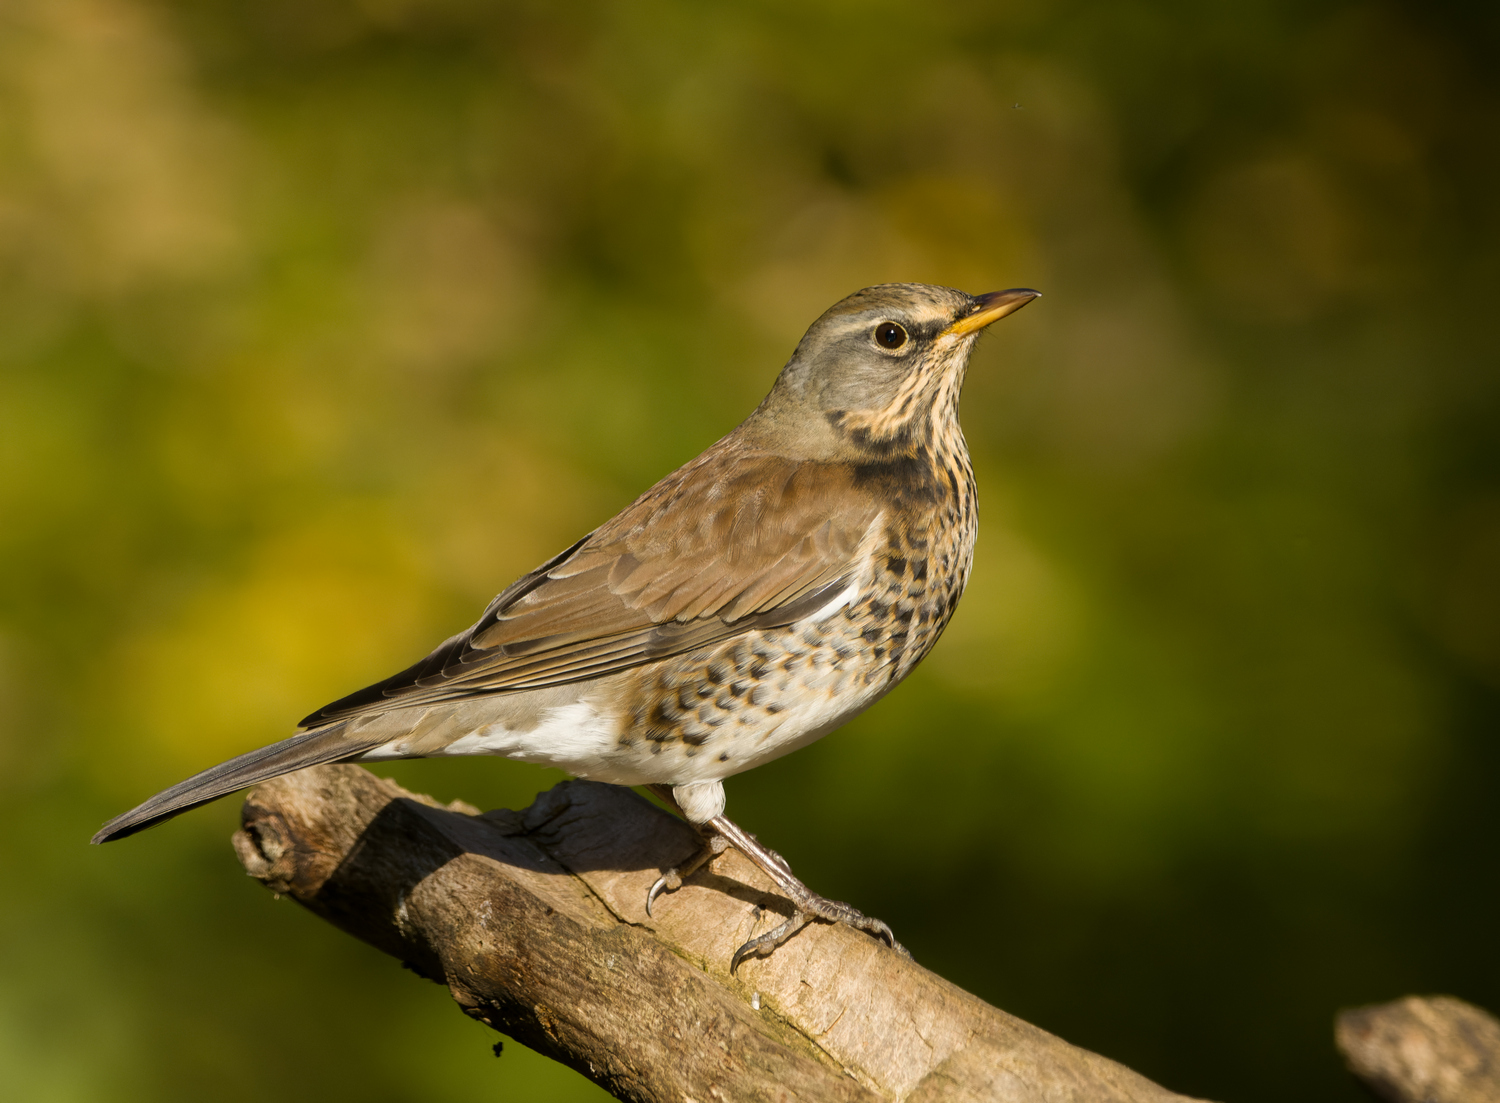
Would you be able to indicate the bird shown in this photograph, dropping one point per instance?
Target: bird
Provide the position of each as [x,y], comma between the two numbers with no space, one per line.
[749,603]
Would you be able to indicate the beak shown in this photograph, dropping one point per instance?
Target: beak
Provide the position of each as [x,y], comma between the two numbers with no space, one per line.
[991,308]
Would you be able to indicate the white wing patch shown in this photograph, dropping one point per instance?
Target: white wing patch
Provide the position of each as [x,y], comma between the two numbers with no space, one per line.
[850,592]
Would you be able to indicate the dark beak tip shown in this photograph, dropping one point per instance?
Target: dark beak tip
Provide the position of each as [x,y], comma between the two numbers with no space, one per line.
[991,308]
[1017,295]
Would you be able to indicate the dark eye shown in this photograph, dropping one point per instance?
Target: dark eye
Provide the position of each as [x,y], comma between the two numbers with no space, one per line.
[888,335]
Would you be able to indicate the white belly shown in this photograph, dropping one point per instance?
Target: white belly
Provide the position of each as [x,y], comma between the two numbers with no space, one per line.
[670,724]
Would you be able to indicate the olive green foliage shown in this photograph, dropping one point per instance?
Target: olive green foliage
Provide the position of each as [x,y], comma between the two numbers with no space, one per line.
[319,322]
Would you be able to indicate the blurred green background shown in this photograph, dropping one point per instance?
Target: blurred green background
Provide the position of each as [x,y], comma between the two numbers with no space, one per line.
[320,322]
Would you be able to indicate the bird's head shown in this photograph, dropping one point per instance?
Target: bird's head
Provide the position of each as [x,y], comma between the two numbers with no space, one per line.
[880,371]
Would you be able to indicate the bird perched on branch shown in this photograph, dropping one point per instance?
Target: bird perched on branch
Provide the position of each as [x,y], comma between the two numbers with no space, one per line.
[747,604]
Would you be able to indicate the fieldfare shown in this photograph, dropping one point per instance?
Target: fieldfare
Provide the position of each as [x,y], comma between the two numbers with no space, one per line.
[747,604]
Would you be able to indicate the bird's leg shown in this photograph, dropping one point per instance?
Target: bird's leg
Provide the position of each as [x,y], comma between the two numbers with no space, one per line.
[719,834]
[713,845]
[809,905]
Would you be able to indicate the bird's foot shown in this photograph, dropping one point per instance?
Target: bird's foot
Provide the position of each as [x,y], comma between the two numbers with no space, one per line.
[671,880]
[808,904]
[811,906]
[719,834]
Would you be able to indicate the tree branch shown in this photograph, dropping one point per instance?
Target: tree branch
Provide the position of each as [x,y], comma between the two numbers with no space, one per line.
[535,921]
[1434,1049]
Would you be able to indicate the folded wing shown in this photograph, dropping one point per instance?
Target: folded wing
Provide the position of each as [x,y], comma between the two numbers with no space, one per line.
[730,543]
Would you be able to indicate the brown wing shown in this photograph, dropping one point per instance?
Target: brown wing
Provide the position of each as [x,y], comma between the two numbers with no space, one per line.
[731,542]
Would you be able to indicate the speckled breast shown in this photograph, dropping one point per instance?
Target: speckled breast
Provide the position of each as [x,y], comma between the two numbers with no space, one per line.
[723,710]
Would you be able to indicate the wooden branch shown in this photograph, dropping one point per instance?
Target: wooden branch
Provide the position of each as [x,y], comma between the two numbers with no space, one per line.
[1433,1049]
[535,920]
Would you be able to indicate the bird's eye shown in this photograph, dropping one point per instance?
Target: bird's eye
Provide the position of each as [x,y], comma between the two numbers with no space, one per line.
[888,335]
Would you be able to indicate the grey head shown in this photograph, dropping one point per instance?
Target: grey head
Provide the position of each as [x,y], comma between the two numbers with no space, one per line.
[879,372]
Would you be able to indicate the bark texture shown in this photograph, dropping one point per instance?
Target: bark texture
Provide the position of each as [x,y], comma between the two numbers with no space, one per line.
[535,920]
[1433,1049]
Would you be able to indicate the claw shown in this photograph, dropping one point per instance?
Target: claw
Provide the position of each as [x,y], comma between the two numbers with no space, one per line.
[877,929]
[667,882]
[770,940]
[671,880]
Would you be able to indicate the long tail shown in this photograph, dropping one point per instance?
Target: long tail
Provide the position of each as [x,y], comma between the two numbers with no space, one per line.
[312,748]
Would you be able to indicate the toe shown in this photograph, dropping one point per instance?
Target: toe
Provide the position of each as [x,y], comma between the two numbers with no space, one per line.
[669,881]
[762,945]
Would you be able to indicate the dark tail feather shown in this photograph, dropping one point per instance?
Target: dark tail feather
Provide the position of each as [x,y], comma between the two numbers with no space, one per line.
[300,751]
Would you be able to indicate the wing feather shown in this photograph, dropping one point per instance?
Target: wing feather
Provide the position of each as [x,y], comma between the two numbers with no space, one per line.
[734,541]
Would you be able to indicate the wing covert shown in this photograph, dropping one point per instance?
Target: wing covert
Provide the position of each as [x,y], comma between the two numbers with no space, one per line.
[730,543]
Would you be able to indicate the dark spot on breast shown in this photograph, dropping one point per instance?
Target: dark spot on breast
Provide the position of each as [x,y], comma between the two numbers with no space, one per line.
[870,635]
[919,571]
[737,689]
[724,757]
[896,565]
[901,476]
